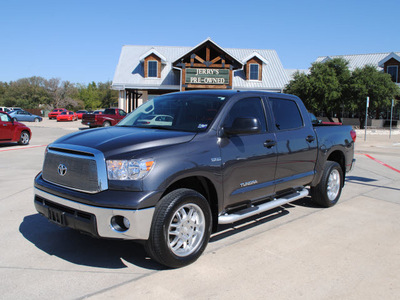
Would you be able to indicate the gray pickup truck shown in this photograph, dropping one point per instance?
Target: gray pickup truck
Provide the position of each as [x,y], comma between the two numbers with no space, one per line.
[182,163]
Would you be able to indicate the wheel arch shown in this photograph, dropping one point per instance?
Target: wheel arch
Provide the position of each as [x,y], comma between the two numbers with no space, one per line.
[202,185]
[339,157]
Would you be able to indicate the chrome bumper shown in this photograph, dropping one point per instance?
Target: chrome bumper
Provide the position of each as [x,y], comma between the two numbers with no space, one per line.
[140,220]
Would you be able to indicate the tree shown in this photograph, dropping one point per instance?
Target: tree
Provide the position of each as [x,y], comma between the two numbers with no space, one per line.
[324,88]
[63,94]
[26,92]
[108,96]
[3,90]
[89,95]
[98,95]
[330,87]
[301,87]
[369,82]
[37,92]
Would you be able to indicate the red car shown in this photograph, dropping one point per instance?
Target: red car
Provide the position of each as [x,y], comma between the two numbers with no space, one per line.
[12,131]
[80,113]
[55,112]
[67,116]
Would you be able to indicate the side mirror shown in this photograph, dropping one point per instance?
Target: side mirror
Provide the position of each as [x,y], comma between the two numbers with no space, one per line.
[243,126]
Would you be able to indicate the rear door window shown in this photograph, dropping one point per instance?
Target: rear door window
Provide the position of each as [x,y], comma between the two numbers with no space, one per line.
[286,113]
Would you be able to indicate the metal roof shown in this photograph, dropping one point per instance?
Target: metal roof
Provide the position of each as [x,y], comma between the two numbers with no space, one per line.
[360,60]
[290,72]
[129,72]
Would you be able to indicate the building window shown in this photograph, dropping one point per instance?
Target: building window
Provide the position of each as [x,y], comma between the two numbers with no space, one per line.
[152,68]
[392,70]
[254,72]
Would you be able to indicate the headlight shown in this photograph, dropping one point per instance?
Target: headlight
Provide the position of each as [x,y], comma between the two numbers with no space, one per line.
[133,169]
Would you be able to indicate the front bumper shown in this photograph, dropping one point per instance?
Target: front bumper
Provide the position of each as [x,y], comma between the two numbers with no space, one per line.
[96,221]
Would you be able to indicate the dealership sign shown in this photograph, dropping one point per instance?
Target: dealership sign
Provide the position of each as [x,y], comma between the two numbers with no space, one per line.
[207,76]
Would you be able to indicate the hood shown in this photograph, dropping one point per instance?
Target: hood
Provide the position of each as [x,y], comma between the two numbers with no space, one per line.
[118,140]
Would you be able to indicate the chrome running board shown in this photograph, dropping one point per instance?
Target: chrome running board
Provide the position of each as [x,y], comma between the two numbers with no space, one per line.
[255,210]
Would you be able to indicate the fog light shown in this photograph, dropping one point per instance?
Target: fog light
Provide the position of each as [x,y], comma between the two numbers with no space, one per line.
[120,223]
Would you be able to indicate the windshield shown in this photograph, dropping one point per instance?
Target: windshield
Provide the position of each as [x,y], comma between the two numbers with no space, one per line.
[180,112]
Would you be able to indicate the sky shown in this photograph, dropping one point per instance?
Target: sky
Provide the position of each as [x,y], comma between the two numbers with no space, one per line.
[81,40]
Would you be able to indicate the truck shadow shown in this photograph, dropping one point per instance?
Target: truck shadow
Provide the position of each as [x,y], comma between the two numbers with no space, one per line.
[227,230]
[81,249]
[85,250]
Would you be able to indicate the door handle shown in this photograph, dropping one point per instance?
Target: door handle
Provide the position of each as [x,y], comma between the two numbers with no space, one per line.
[269,143]
[310,138]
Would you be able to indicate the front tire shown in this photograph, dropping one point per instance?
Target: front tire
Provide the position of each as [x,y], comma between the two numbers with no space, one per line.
[328,190]
[180,229]
[24,138]
[106,124]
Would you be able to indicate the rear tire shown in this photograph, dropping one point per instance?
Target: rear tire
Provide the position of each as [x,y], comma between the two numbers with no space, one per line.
[180,229]
[328,190]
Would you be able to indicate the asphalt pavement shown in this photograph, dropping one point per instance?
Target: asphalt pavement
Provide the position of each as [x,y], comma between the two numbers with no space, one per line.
[297,251]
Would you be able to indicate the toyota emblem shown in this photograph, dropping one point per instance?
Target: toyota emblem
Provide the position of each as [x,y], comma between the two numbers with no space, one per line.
[62,170]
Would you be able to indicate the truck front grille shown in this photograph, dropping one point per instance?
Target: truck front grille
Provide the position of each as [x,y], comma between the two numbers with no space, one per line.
[74,169]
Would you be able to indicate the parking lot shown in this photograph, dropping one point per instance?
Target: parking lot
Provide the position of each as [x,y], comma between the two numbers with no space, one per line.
[298,251]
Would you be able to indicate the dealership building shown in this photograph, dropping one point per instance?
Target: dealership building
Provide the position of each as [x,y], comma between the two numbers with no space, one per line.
[144,72]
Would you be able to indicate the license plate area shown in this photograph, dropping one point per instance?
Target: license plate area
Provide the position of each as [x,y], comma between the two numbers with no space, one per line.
[57,216]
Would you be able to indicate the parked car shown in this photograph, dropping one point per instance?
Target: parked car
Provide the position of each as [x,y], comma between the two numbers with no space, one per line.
[80,113]
[55,112]
[156,120]
[109,117]
[13,131]
[5,109]
[22,115]
[67,116]
[14,108]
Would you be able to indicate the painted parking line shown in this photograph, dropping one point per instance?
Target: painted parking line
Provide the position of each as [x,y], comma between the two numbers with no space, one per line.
[380,162]
[21,148]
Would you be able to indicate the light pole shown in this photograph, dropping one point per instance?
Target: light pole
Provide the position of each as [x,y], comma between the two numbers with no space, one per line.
[391,118]
[366,119]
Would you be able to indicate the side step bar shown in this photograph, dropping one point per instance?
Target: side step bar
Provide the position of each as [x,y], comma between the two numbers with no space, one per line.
[255,210]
